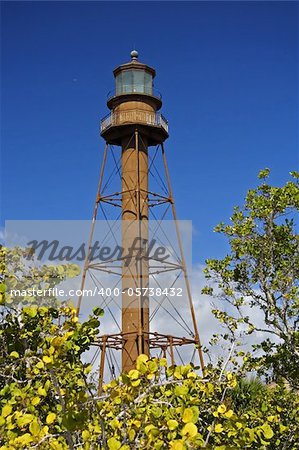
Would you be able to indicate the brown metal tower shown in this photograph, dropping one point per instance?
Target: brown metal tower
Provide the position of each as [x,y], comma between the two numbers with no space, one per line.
[135,125]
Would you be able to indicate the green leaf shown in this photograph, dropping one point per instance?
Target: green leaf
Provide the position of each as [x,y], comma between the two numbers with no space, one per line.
[30,311]
[99,312]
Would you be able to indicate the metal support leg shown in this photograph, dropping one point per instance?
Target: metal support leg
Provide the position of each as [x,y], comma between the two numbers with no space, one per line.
[94,217]
[170,339]
[196,337]
[102,365]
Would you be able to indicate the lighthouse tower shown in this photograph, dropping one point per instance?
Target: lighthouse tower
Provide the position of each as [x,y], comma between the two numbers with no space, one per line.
[133,128]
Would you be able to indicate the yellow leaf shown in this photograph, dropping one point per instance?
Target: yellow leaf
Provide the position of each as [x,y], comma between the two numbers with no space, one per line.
[97,428]
[132,434]
[142,359]
[34,428]
[6,410]
[172,424]
[47,359]
[35,401]
[177,445]
[57,341]
[113,444]
[189,429]
[14,355]
[23,440]
[115,424]
[221,409]
[88,369]
[267,430]
[229,414]
[133,374]
[45,430]
[233,383]
[40,365]
[272,418]
[50,418]
[151,430]
[177,373]
[153,366]
[218,428]
[192,375]
[188,415]
[42,391]
[85,435]
[136,423]
[25,420]
[55,445]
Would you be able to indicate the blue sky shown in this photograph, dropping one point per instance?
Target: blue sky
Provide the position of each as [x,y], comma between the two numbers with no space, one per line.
[228,72]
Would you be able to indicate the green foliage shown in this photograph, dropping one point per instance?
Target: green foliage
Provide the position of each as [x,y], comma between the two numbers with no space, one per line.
[48,399]
[248,393]
[260,277]
[160,407]
[48,402]
[44,391]
[17,274]
[45,394]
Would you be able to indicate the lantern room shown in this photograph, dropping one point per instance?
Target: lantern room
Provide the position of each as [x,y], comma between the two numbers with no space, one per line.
[134,77]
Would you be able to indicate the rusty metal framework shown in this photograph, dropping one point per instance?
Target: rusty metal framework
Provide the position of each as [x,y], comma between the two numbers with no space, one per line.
[165,343]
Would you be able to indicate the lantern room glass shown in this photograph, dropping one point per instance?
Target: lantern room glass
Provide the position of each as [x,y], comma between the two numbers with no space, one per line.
[130,81]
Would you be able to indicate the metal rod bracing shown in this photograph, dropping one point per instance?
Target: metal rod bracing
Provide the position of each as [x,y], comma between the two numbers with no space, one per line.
[177,340]
[107,300]
[186,328]
[166,265]
[183,260]
[111,175]
[95,212]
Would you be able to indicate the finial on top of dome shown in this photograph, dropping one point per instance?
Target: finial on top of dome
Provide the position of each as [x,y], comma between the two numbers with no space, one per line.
[134,54]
